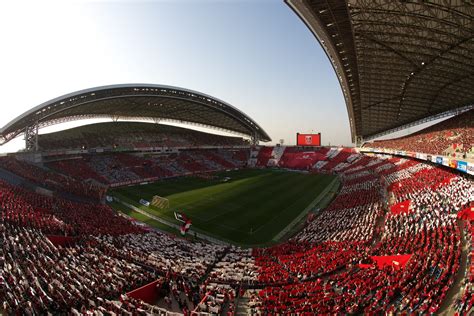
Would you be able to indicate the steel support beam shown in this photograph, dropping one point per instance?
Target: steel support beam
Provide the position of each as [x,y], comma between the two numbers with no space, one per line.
[31,138]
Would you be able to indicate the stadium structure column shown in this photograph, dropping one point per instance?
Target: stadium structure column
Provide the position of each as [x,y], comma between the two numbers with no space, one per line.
[254,139]
[359,141]
[31,137]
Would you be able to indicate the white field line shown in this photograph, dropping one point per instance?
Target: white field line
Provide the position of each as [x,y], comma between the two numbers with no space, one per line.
[305,211]
[167,223]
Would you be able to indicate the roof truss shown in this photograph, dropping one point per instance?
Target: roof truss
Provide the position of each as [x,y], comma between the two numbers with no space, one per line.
[397,61]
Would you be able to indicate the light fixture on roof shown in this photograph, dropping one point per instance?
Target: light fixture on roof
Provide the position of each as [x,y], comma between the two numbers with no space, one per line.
[422,63]
[322,11]
[330,24]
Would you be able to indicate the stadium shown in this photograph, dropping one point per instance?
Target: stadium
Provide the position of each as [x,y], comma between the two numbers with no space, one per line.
[182,204]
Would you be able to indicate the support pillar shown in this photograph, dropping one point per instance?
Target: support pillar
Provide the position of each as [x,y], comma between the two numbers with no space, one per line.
[254,139]
[31,138]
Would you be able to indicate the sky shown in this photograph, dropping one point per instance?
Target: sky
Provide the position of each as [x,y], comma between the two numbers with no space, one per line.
[256,55]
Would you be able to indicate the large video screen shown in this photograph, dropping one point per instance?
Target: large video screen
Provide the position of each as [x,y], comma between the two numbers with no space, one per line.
[308,139]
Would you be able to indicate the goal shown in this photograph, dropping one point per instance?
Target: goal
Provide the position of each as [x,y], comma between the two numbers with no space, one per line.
[160,202]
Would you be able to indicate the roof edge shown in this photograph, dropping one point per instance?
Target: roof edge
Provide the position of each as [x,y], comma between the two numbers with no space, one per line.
[299,8]
[43,105]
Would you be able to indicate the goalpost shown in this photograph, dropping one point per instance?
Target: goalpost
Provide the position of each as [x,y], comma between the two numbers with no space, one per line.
[160,202]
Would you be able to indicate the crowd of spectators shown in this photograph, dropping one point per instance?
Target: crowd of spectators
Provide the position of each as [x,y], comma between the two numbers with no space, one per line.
[432,186]
[39,278]
[429,232]
[237,266]
[132,135]
[50,179]
[77,168]
[112,169]
[402,172]
[455,134]
[264,155]
[124,306]
[166,253]
[301,157]
[436,196]
[305,261]
[60,216]
[465,300]
[326,268]
[339,158]
[216,297]
[16,210]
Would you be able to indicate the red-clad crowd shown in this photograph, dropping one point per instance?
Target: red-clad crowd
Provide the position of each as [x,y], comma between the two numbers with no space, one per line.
[38,278]
[59,216]
[431,235]
[264,154]
[326,268]
[50,179]
[337,159]
[77,168]
[465,301]
[455,134]
[426,178]
[292,261]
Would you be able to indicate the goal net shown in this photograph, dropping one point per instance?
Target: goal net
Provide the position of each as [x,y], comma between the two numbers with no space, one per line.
[160,202]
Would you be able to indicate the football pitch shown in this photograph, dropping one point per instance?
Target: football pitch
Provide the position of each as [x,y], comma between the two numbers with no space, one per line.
[250,208]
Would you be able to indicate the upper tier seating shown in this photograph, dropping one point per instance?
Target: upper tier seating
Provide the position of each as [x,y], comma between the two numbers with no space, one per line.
[454,135]
[130,135]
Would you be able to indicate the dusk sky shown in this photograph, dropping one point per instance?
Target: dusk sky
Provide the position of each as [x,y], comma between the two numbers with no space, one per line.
[256,55]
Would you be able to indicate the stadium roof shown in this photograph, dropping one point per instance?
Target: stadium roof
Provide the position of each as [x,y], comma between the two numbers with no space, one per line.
[137,101]
[398,62]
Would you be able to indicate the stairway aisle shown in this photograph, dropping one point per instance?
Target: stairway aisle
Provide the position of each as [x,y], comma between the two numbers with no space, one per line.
[447,307]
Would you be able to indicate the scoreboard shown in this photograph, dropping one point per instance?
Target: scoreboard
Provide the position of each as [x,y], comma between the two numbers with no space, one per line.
[308,139]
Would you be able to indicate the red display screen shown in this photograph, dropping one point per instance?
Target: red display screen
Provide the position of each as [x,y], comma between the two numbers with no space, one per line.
[308,139]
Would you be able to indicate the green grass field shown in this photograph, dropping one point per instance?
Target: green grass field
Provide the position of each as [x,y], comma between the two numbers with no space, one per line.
[250,209]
